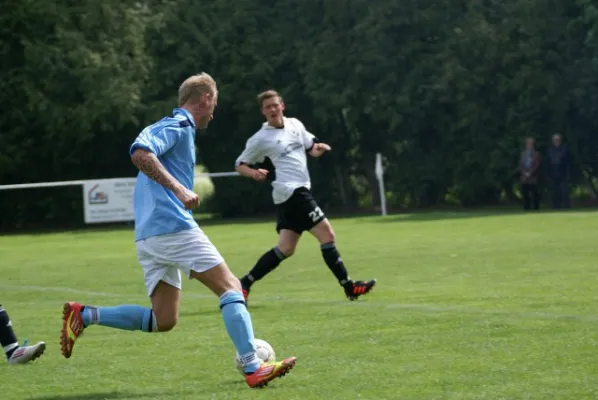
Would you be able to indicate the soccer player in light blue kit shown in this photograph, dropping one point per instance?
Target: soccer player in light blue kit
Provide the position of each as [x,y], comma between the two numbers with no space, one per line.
[169,240]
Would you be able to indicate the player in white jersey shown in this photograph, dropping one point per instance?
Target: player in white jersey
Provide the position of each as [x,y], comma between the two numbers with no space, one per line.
[281,147]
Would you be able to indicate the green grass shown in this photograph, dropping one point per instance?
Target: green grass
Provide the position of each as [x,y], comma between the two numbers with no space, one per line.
[469,306]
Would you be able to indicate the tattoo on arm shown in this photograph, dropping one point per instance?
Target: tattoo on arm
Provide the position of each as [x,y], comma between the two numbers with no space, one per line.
[150,165]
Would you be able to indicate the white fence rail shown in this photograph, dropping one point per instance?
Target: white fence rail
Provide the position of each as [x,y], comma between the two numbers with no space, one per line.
[111,200]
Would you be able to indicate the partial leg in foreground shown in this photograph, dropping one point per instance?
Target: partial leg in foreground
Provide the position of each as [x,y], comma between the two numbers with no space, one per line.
[163,288]
[353,289]
[15,353]
[237,321]
[76,317]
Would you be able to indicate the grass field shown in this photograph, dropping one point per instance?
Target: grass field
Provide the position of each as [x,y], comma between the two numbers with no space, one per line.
[468,306]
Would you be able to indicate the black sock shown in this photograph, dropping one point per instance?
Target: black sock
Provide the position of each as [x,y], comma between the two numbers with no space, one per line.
[266,264]
[8,339]
[335,263]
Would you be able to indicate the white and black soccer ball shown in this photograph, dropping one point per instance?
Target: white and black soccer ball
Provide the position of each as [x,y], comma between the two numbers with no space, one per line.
[264,351]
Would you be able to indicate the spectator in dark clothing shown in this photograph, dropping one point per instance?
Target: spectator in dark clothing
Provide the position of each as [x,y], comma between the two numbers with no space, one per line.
[528,166]
[559,172]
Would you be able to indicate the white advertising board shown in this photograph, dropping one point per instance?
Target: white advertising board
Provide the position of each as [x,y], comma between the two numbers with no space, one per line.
[108,200]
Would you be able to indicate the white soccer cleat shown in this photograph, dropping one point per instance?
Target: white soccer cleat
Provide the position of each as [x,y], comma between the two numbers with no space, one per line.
[24,354]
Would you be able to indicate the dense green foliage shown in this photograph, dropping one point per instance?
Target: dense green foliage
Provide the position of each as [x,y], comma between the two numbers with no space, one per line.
[446,90]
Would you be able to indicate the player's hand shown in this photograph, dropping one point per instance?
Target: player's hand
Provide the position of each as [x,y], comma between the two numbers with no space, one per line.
[319,149]
[260,174]
[189,198]
[322,147]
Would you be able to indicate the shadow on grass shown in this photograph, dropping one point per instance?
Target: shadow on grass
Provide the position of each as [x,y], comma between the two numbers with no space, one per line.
[203,221]
[200,313]
[211,311]
[129,226]
[105,396]
[115,395]
[416,215]
[425,216]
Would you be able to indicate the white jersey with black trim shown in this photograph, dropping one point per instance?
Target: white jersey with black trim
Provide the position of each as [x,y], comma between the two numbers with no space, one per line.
[287,148]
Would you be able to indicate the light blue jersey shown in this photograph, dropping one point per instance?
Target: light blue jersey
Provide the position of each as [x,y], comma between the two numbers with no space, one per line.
[157,210]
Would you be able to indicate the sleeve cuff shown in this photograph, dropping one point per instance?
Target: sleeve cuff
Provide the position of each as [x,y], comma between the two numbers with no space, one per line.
[313,142]
[142,146]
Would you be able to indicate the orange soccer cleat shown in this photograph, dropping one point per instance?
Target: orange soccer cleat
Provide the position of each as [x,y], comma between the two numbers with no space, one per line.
[269,371]
[72,327]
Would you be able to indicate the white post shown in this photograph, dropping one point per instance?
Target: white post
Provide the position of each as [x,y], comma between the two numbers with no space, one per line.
[380,176]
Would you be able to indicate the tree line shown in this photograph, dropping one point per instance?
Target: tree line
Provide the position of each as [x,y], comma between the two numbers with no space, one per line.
[446,90]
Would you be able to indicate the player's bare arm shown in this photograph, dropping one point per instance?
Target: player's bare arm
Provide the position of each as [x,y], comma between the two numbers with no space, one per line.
[248,172]
[319,149]
[148,163]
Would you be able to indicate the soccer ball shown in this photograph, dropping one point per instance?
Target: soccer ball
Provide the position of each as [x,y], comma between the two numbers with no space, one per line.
[264,351]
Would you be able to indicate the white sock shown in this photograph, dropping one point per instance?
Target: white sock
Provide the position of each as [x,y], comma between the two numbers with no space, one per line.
[250,362]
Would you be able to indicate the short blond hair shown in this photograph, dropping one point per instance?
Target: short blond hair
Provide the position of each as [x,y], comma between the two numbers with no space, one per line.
[268,94]
[196,86]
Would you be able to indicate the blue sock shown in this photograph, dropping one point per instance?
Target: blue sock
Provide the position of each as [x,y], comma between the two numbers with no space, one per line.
[127,317]
[238,325]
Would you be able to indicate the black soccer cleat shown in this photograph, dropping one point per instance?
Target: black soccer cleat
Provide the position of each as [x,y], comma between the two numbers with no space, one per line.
[354,289]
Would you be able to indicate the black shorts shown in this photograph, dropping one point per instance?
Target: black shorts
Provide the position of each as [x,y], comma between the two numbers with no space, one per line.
[299,213]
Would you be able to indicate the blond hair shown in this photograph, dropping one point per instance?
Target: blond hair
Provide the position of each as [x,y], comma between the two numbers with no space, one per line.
[196,86]
[268,94]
